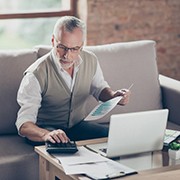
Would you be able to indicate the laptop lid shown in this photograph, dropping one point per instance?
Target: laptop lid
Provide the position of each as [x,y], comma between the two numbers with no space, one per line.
[137,132]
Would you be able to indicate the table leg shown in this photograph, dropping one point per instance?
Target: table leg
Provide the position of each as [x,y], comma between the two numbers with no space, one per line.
[43,169]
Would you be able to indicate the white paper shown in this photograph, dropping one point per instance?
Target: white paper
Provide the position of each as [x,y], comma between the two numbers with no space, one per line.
[82,156]
[102,109]
[170,135]
[90,163]
[98,170]
[110,168]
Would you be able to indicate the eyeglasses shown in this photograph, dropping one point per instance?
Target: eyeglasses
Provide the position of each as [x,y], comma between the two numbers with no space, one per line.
[66,49]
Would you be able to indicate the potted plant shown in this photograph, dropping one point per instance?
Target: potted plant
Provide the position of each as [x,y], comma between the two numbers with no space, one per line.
[174,150]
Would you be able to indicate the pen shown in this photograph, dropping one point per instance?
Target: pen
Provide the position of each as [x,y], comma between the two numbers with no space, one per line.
[85,163]
[116,174]
[131,86]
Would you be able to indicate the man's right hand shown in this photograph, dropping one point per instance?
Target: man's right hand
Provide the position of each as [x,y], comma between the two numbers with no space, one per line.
[35,133]
[56,136]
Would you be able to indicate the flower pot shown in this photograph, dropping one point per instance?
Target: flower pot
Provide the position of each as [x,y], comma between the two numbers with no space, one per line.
[174,154]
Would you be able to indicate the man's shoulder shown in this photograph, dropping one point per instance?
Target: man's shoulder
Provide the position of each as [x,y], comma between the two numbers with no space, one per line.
[88,55]
[42,60]
[39,63]
[87,52]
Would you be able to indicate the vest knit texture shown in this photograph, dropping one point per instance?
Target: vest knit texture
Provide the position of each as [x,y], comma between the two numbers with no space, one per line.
[61,108]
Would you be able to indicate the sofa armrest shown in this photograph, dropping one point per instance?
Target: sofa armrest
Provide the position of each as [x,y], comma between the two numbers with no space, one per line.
[171,97]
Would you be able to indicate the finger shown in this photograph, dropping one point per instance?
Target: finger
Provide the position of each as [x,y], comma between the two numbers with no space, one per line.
[124,100]
[49,138]
[55,137]
[119,93]
[63,137]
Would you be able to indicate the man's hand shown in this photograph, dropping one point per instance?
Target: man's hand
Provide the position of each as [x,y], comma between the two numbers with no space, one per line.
[126,96]
[35,133]
[107,94]
[56,136]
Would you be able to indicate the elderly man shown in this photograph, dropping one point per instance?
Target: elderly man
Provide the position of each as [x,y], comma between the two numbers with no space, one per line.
[54,90]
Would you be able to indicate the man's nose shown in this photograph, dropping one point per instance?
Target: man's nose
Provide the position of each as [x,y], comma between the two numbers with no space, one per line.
[66,53]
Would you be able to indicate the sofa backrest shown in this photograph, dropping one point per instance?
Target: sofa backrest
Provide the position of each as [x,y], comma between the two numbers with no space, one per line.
[123,64]
[12,66]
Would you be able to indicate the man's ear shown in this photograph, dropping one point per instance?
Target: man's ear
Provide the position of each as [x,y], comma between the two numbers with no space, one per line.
[52,41]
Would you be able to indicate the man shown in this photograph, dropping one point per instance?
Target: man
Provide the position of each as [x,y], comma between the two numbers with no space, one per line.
[54,90]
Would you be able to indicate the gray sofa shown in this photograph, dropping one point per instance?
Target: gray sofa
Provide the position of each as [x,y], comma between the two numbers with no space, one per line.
[122,64]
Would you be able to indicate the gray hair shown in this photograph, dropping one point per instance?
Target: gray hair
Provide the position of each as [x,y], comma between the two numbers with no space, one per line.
[69,23]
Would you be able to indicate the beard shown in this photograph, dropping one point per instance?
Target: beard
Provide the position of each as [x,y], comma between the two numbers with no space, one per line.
[65,63]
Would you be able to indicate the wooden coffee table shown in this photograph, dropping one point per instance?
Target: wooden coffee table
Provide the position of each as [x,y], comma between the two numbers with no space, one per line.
[51,169]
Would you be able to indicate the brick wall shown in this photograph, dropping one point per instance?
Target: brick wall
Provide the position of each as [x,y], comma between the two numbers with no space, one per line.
[111,21]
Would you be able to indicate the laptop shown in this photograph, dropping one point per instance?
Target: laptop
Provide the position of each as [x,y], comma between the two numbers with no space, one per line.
[132,133]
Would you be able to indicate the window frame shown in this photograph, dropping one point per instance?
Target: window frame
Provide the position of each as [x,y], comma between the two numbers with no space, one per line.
[44,14]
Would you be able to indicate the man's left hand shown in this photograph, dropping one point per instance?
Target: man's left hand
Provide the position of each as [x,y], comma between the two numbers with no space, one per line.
[126,96]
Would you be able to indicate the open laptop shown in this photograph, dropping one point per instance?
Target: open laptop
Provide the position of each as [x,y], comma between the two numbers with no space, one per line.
[134,133]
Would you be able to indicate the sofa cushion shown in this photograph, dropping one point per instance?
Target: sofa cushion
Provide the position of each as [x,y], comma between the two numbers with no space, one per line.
[42,50]
[123,64]
[12,66]
[17,159]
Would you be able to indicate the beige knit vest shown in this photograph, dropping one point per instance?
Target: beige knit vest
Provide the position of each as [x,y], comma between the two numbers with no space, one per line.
[60,107]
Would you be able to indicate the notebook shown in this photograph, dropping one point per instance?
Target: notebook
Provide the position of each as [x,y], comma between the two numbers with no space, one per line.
[132,133]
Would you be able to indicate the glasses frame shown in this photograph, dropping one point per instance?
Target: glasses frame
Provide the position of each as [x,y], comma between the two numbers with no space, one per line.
[64,48]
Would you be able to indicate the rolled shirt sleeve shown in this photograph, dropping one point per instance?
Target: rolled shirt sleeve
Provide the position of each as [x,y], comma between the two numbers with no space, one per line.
[29,99]
[98,83]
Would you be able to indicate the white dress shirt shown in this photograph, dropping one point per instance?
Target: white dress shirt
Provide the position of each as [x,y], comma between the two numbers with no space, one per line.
[29,93]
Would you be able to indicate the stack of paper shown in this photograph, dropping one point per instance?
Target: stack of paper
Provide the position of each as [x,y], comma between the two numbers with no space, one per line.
[92,164]
[170,135]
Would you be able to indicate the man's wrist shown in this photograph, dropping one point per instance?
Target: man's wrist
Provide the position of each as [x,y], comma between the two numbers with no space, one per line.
[43,135]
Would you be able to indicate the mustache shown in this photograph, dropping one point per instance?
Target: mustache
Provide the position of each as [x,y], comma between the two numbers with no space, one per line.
[66,60]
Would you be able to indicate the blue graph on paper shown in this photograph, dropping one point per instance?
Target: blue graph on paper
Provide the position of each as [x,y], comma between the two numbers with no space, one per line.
[103,108]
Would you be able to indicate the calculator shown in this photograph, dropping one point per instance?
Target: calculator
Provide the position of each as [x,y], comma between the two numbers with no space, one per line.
[69,147]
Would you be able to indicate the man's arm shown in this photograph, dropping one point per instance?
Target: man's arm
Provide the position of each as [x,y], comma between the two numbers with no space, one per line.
[106,94]
[101,90]
[29,98]
[35,133]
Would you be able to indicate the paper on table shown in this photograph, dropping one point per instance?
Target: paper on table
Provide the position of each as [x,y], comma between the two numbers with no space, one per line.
[170,135]
[99,170]
[91,164]
[82,156]
[102,109]
[108,170]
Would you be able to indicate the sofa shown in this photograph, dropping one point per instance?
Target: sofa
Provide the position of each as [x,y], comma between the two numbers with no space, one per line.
[122,64]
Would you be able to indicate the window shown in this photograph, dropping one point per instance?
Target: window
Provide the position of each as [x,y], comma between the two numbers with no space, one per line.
[24,23]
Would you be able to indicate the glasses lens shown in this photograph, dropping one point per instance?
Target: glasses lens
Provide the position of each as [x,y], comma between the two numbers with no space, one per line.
[64,48]
[75,50]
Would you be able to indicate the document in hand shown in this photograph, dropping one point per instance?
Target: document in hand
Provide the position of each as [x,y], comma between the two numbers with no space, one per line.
[102,109]
[92,164]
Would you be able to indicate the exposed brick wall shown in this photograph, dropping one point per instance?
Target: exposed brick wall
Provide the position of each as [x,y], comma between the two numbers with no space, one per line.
[111,21]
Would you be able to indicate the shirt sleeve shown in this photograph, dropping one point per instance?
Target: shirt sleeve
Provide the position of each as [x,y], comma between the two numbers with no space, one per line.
[98,82]
[29,99]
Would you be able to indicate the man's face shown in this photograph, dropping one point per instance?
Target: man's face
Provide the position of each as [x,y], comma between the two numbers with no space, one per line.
[67,46]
